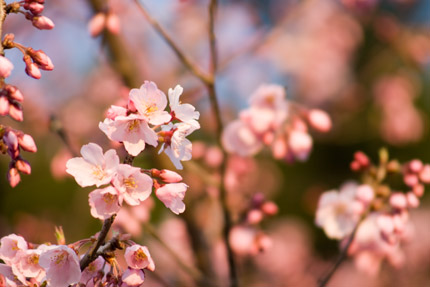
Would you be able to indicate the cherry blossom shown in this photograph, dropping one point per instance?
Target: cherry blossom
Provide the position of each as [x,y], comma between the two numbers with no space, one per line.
[138,257]
[132,130]
[10,245]
[104,202]
[172,195]
[61,265]
[5,67]
[132,277]
[239,138]
[26,264]
[338,212]
[150,103]
[183,112]
[94,167]
[133,186]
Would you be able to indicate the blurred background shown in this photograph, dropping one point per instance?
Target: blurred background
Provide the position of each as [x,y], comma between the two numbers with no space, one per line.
[365,62]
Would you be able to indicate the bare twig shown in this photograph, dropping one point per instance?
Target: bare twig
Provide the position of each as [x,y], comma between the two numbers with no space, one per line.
[182,57]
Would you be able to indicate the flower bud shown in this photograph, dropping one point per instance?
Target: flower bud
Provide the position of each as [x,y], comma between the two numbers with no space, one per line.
[415,165]
[27,143]
[13,177]
[4,106]
[34,7]
[269,208]
[319,120]
[23,166]
[410,179]
[15,112]
[418,190]
[412,199]
[300,144]
[254,216]
[365,193]
[170,176]
[42,23]
[33,70]
[362,158]
[5,67]
[398,200]
[113,24]
[11,140]
[97,24]
[14,93]
[42,60]
[425,174]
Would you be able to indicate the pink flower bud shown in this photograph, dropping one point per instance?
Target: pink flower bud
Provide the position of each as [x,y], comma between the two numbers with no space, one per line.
[362,158]
[5,67]
[269,208]
[170,176]
[418,190]
[97,24]
[15,112]
[300,144]
[279,148]
[213,157]
[398,200]
[268,138]
[425,174]
[42,23]
[13,177]
[355,165]
[412,199]
[365,193]
[410,179]
[299,125]
[319,120]
[14,93]
[254,216]
[23,166]
[34,7]
[415,165]
[33,70]
[42,60]
[113,23]
[27,143]
[4,106]
[11,140]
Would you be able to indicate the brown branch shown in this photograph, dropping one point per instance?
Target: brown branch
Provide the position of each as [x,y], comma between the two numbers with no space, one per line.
[181,56]
[2,18]
[324,280]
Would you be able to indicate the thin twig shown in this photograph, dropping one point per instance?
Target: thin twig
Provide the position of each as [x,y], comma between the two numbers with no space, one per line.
[324,280]
[194,273]
[182,57]
[233,278]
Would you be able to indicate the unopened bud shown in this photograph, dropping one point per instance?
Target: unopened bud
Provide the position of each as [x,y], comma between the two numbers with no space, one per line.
[254,216]
[13,177]
[365,193]
[269,208]
[42,60]
[33,70]
[34,7]
[319,120]
[27,143]
[14,93]
[11,140]
[412,199]
[5,67]
[398,200]
[362,159]
[4,106]
[42,23]
[23,166]
[113,24]
[97,24]
[15,112]
[418,190]
[170,176]
[425,174]
[415,165]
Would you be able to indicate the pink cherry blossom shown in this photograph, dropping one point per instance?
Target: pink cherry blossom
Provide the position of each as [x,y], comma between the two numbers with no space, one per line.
[270,96]
[61,265]
[42,23]
[238,138]
[132,277]
[183,112]
[337,212]
[7,278]
[132,130]
[172,195]
[178,148]
[6,67]
[150,103]
[133,185]
[104,202]
[138,257]
[319,120]
[115,111]
[10,245]
[94,167]
[26,264]
[92,270]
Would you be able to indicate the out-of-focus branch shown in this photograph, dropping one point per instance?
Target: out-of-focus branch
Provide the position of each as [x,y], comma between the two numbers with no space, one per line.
[182,57]
[2,18]
[324,280]
[121,59]
[233,278]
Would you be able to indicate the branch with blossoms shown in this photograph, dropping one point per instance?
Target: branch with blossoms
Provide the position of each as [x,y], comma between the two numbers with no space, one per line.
[143,121]
[371,219]
[12,141]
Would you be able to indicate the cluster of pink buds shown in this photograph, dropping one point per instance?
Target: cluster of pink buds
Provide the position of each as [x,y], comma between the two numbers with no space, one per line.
[273,121]
[10,102]
[34,60]
[104,21]
[378,213]
[32,12]
[28,264]
[247,238]
[145,121]
[11,142]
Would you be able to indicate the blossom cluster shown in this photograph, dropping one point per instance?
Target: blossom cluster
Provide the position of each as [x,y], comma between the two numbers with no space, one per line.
[32,10]
[28,264]
[378,213]
[273,121]
[145,121]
